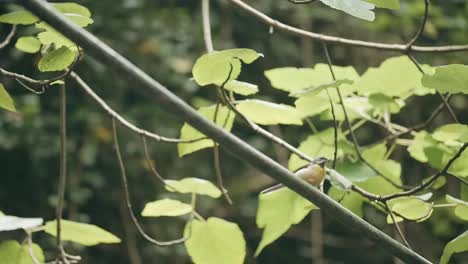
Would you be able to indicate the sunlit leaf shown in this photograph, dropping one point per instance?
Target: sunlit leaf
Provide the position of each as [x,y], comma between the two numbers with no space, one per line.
[317,89]
[214,68]
[396,76]
[225,119]
[242,88]
[349,199]
[267,113]
[72,8]
[386,103]
[277,211]
[11,252]
[81,233]
[9,223]
[166,207]
[19,18]
[411,208]
[56,60]
[457,245]
[6,101]
[357,8]
[390,4]
[193,185]
[451,132]
[215,241]
[448,79]
[292,79]
[28,44]
[461,208]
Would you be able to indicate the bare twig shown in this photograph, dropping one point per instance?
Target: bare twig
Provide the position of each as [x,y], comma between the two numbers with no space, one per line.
[63,171]
[30,247]
[444,101]
[205,8]
[420,30]
[8,38]
[335,125]
[127,195]
[83,85]
[344,41]
[150,162]
[397,227]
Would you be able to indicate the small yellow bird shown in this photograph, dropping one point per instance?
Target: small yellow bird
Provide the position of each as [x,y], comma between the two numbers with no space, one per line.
[313,173]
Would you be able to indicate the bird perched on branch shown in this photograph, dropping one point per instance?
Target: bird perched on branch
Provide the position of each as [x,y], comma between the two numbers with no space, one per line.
[313,173]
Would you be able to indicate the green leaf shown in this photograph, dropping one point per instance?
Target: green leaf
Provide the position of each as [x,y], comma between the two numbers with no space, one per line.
[411,208]
[460,166]
[19,18]
[166,207]
[317,89]
[9,223]
[214,68]
[81,233]
[390,4]
[267,113]
[451,132]
[312,105]
[356,8]
[461,210]
[28,44]
[5,100]
[291,79]
[448,79]
[215,241]
[56,60]
[356,108]
[319,144]
[457,245]
[242,88]
[225,119]
[193,185]
[396,76]
[386,104]
[72,8]
[277,211]
[50,37]
[11,252]
[356,171]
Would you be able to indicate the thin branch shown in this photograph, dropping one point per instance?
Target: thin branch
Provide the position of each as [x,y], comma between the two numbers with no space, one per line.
[205,9]
[83,85]
[348,123]
[9,37]
[43,84]
[335,125]
[397,227]
[460,179]
[150,162]
[216,159]
[444,101]
[30,248]
[430,181]
[63,170]
[337,40]
[127,195]
[420,30]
